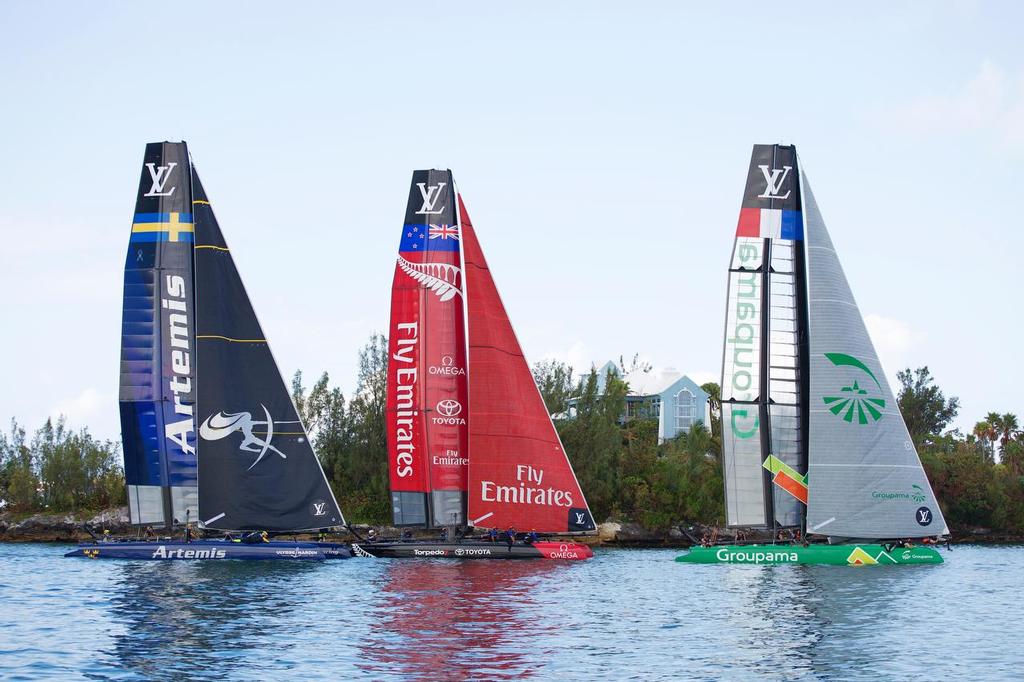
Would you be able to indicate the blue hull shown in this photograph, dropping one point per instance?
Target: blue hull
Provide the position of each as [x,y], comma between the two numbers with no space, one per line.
[211,550]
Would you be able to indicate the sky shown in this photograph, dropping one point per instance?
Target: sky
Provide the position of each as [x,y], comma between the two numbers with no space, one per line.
[601,148]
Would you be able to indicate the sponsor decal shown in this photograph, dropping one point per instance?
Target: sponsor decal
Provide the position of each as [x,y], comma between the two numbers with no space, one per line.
[441,278]
[923,516]
[774,180]
[854,402]
[160,175]
[743,341]
[181,553]
[406,344]
[447,413]
[318,508]
[755,556]
[916,494]
[858,557]
[447,367]
[431,194]
[429,552]
[450,458]
[472,551]
[564,551]
[529,489]
[223,424]
[175,302]
[787,478]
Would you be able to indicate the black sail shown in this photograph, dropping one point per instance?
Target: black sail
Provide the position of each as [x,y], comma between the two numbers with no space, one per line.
[257,470]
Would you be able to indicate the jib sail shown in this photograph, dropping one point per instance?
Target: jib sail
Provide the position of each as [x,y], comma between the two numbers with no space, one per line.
[866,480]
[427,407]
[157,384]
[257,469]
[763,404]
[519,474]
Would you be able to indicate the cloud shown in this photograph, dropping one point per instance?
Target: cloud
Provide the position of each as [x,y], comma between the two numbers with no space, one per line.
[577,356]
[894,340]
[85,409]
[991,103]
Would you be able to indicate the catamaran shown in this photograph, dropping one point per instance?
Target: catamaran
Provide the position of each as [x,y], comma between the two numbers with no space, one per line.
[470,442]
[813,440]
[209,430]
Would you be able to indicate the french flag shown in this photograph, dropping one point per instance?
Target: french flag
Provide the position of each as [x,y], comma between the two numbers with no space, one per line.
[770,223]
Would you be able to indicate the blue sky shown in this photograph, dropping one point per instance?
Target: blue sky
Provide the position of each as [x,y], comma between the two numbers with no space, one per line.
[601,149]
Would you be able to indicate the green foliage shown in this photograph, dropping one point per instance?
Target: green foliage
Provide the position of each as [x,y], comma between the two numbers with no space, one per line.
[554,379]
[350,440]
[925,409]
[60,470]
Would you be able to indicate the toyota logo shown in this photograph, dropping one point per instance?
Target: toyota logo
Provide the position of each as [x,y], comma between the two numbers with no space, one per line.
[449,408]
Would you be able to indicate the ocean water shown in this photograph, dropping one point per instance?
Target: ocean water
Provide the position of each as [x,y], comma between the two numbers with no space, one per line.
[626,614]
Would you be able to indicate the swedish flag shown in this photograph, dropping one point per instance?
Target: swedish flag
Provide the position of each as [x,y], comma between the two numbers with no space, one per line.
[162,227]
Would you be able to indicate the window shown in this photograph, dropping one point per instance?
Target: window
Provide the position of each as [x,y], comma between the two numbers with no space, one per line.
[686,410]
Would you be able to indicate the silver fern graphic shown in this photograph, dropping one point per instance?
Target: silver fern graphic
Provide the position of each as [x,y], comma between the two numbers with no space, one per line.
[441,278]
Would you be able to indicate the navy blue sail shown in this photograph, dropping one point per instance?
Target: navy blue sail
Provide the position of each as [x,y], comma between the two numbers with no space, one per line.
[157,384]
[257,469]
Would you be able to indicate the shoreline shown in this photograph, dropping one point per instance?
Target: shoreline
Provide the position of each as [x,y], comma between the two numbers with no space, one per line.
[67,527]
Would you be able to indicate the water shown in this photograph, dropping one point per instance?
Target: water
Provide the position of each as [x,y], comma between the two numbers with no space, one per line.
[625,614]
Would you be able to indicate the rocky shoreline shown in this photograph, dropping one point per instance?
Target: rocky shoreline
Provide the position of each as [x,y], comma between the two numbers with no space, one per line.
[69,527]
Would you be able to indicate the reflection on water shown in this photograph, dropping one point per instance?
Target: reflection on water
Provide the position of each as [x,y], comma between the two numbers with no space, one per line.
[197,616]
[459,619]
[624,614]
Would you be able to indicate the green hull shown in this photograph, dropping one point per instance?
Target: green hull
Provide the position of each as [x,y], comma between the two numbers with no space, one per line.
[832,555]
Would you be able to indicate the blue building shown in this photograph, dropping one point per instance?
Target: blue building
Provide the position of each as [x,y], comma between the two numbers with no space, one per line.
[675,400]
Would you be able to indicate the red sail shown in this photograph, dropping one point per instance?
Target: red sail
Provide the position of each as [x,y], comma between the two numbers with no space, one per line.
[519,474]
[426,393]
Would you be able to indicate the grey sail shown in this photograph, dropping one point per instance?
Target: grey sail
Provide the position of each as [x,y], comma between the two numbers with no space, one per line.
[865,477]
[763,401]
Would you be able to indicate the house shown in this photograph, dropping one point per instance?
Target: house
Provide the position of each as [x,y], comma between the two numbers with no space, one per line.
[675,400]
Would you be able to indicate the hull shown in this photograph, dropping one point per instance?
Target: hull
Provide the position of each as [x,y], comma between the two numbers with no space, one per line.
[215,550]
[472,550]
[830,555]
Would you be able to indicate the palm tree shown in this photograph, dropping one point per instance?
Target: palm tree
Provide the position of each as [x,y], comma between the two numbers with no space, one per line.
[1007,428]
[987,431]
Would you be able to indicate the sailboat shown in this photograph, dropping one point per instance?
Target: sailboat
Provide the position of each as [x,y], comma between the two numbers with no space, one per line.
[471,445]
[209,430]
[813,441]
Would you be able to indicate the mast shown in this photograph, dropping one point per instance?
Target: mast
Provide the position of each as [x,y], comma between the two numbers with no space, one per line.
[427,406]
[762,443]
[157,379]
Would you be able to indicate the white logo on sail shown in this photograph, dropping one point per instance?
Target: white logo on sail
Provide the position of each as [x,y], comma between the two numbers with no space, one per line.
[319,509]
[579,518]
[449,408]
[441,278]
[160,175]
[774,180]
[430,196]
[222,425]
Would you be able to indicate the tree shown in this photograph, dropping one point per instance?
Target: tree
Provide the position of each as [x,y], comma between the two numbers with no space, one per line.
[925,409]
[714,392]
[555,383]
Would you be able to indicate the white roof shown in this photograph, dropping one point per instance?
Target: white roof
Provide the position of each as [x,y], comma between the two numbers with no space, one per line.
[652,382]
